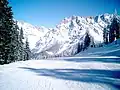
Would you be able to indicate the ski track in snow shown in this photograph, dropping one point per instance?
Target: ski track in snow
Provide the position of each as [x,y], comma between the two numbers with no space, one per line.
[61,74]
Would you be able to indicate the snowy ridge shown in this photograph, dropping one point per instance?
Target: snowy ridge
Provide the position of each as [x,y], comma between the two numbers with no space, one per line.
[63,40]
[33,33]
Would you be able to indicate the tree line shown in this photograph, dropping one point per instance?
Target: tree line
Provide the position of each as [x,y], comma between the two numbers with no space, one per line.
[12,47]
[112,31]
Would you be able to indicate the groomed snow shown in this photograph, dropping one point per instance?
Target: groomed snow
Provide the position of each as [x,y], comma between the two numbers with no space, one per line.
[61,74]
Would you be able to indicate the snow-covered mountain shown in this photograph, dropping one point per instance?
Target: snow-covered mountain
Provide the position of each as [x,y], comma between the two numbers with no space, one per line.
[63,40]
[33,33]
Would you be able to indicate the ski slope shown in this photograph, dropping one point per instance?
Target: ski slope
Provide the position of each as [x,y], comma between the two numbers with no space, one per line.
[61,74]
[92,69]
[111,50]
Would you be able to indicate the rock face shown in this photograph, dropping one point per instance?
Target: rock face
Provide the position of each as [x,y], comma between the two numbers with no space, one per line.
[72,35]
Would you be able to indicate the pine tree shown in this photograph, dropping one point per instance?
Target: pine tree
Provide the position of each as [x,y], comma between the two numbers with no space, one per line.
[117,32]
[27,51]
[8,34]
[86,41]
[21,46]
[105,35]
[92,42]
[114,30]
[6,23]
[119,28]
[79,48]
[15,43]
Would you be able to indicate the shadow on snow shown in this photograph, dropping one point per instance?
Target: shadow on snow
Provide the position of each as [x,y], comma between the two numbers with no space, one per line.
[105,60]
[111,77]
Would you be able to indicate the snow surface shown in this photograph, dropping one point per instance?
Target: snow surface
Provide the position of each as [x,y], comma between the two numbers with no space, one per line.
[110,50]
[65,73]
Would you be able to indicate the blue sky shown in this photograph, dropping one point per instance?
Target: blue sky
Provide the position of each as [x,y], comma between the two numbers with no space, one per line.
[48,13]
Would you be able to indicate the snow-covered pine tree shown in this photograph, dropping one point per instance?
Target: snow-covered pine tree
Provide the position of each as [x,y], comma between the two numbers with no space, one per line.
[27,51]
[21,45]
[117,32]
[111,34]
[119,29]
[5,31]
[8,34]
[14,42]
[105,35]
[92,41]
[79,48]
[114,30]
[86,41]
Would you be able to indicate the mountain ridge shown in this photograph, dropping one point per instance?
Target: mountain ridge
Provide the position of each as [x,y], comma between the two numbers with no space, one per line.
[63,40]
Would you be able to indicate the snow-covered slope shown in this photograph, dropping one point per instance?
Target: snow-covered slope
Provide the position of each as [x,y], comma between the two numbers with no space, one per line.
[66,73]
[33,33]
[63,40]
[110,50]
